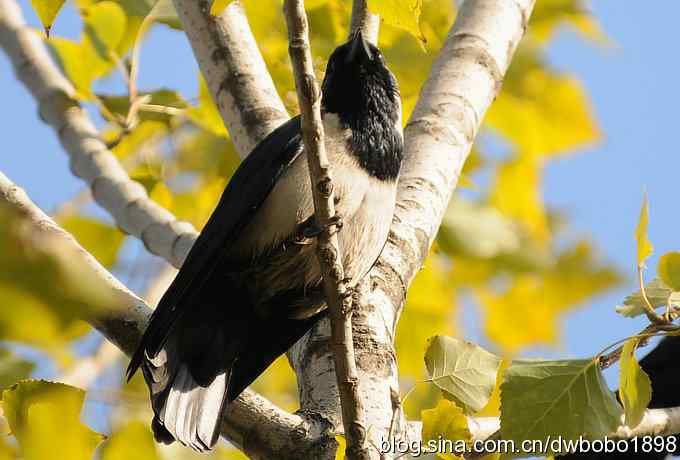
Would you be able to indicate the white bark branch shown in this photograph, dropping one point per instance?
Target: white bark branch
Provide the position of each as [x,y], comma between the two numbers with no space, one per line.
[464,81]
[234,70]
[126,200]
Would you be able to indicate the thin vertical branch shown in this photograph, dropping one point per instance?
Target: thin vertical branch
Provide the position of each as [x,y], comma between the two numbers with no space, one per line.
[339,302]
[364,20]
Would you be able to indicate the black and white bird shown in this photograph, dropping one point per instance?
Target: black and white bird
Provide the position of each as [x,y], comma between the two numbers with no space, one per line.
[251,285]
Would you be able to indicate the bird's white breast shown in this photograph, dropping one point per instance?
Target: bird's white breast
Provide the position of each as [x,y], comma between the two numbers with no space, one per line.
[365,204]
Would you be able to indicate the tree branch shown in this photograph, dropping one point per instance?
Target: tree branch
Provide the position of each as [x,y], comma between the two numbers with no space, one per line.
[234,70]
[364,20]
[126,200]
[338,298]
[252,423]
[463,82]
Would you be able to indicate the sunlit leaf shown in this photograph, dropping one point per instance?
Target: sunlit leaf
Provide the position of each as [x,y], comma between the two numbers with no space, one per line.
[669,270]
[430,305]
[658,294]
[45,419]
[635,389]
[526,312]
[13,368]
[569,398]
[465,372]
[218,6]
[542,112]
[446,422]
[517,194]
[403,14]
[47,285]
[549,15]
[206,114]
[47,11]
[644,246]
[342,447]
[133,441]
[102,240]
[93,57]
[161,97]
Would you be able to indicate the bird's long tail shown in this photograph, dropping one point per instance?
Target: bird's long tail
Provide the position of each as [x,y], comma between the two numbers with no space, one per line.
[207,360]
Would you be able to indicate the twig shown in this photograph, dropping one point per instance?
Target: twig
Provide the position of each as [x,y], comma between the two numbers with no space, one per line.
[338,298]
[606,360]
[364,20]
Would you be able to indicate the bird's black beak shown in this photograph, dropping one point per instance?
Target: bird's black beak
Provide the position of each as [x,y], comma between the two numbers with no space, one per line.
[358,49]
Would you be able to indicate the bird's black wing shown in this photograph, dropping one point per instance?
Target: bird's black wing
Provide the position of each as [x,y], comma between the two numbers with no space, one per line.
[250,185]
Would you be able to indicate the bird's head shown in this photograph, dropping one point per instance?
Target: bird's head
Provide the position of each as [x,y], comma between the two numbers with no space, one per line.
[358,85]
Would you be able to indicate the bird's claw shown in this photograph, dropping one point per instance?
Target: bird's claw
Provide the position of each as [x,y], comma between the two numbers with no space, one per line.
[333,225]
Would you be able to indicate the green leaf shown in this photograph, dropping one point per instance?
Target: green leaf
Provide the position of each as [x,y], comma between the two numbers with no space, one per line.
[133,441]
[404,14]
[45,416]
[47,283]
[102,240]
[104,29]
[658,294]
[93,57]
[13,368]
[47,11]
[567,398]
[446,422]
[465,372]
[635,389]
[162,97]
[644,246]
[669,270]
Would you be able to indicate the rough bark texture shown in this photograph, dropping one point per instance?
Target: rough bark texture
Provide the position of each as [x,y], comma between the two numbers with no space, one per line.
[234,70]
[464,81]
[338,299]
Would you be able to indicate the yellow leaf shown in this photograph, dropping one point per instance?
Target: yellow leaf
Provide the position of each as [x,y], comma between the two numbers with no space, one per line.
[517,194]
[47,11]
[644,246]
[45,419]
[446,422]
[218,6]
[162,195]
[102,240]
[543,113]
[549,15]
[669,270]
[430,305]
[92,58]
[527,312]
[635,388]
[404,14]
[133,441]
[342,446]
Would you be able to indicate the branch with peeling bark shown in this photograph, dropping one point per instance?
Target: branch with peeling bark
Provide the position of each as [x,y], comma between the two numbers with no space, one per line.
[328,251]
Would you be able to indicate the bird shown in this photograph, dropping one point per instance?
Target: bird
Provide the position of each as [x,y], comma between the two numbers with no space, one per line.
[251,285]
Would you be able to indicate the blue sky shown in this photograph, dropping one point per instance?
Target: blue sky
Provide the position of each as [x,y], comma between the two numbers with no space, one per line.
[634,94]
